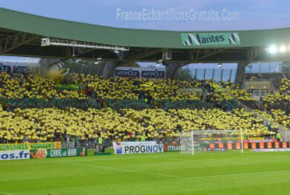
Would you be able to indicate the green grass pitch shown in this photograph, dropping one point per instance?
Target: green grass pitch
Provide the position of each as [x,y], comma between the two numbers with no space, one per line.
[145,174]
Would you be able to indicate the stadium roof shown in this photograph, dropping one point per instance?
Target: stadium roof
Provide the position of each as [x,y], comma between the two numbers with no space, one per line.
[48,27]
[21,34]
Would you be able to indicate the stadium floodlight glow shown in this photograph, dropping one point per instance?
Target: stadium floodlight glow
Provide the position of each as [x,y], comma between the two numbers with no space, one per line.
[282,48]
[273,49]
[68,43]
[220,65]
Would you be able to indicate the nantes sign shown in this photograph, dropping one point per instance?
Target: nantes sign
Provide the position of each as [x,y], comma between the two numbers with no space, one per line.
[209,39]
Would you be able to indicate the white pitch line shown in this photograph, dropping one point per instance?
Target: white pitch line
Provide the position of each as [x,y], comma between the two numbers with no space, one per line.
[91,159]
[95,158]
[127,170]
[6,193]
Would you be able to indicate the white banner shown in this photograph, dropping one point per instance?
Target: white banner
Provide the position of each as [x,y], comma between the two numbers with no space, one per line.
[133,72]
[137,147]
[14,155]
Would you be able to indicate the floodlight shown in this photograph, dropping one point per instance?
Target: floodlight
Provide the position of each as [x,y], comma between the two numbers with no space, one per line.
[282,49]
[273,49]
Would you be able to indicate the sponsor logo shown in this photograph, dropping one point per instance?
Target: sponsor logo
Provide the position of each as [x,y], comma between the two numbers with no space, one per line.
[252,140]
[143,149]
[5,68]
[140,72]
[62,153]
[119,150]
[137,147]
[66,152]
[201,39]
[14,155]
[272,150]
[153,74]
[127,73]
[31,146]
[83,152]
[38,154]
[176,148]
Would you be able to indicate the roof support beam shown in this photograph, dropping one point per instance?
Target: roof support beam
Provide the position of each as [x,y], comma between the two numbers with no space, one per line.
[253,53]
[199,55]
[240,74]
[171,69]
[140,55]
[209,53]
[15,41]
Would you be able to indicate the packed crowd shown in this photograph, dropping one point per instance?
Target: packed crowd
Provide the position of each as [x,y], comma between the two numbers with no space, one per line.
[228,91]
[52,123]
[127,124]
[280,99]
[285,85]
[33,86]
[80,86]
[280,117]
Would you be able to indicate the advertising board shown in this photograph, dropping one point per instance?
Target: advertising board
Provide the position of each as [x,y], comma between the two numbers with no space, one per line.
[57,153]
[137,147]
[14,155]
[31,146]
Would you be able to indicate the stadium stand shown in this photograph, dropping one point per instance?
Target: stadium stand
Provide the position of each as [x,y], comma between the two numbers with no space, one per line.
[85,107]
[280,99]
[52,124]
